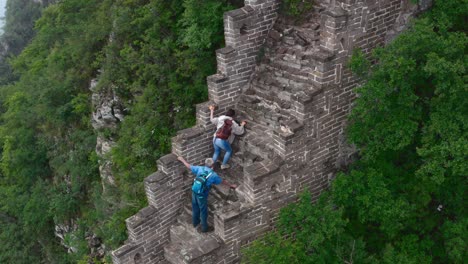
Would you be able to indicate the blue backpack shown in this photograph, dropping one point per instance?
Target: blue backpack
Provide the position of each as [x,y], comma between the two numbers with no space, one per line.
[199,183]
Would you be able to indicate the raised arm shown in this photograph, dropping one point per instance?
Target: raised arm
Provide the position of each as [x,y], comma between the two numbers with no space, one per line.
[212,119]
[181,159]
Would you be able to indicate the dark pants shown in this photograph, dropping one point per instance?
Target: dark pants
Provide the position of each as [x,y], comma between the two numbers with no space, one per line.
[200,211]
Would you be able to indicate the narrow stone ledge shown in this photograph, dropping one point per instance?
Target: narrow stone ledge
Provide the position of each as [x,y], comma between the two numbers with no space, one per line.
[123,250]
[302,97]
[323,55]
[155,180]
[288,130]
[295,126]
[216,78]
[316,92]
[226,51]
[239,14]
[155,177]
[230,215]
[141,217]
[260,170]
[189,133]
[336,12]
[203,107]
[208,245]
[167,160]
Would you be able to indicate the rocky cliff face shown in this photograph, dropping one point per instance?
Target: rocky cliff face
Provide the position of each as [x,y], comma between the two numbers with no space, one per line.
[108,112]
[65,232]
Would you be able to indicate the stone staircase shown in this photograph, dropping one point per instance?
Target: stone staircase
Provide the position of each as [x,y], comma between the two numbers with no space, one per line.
[189,245]
[266,105]
[294,97]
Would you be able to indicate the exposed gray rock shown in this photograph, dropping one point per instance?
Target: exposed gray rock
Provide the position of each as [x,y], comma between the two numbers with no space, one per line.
[108,108]
[425,5]
[108,112]
[103,148]
[97,249]
[65,233]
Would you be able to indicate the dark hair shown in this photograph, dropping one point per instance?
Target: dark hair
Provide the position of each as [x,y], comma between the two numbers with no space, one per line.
[230,112]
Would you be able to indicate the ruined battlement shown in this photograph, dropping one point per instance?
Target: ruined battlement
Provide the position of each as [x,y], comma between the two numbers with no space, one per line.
[291,83]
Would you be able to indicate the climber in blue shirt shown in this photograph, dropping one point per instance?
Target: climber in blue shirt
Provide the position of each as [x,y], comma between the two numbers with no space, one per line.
[200,201]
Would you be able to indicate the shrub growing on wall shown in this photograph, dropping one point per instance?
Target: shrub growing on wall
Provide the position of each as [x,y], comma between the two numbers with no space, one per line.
[296,8]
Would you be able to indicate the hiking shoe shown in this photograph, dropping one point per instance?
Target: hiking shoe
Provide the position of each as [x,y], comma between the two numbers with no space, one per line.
[209,229]
[225,166]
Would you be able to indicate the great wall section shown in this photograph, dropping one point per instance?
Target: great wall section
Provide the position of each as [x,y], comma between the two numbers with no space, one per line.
[291,83]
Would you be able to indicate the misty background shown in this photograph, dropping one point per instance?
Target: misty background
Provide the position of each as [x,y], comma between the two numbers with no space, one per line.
[2,14]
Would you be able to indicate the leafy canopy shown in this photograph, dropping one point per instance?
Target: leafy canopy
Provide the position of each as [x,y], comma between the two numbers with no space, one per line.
[403,201]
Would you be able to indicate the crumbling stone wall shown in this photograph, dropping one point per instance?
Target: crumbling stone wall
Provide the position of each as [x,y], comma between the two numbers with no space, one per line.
[296,99]
[245,31]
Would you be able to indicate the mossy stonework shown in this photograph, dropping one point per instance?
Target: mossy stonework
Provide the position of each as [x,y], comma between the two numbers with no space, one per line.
[295,98]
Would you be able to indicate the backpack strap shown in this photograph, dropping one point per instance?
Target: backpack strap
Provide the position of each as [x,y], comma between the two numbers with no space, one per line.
[206,177]
[209,174]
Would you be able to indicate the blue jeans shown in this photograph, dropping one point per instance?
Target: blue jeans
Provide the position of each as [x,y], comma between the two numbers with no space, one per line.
[200,210]
[221,144]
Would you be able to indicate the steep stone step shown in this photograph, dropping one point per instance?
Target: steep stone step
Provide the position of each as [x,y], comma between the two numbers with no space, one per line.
[189,247]
[265,106]
[276,85]
[297,63]
[234,176]
[185,217]
[295,74]
[244,156]
[284,73]
[219,197]
[260,109]
[258,143]
[284,34]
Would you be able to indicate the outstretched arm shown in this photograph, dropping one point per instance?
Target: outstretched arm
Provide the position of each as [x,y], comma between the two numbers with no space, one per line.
[229,184]
[181,159]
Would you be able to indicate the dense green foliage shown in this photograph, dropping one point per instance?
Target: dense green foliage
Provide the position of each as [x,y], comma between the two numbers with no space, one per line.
[18,32]
[404,200]
[48,146]
[154,54]
[296,8]
[160,71]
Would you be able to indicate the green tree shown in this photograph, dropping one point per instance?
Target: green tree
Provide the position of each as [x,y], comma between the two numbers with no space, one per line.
[404,198]
[47,147]
[18,32]
[308,233]
[158,65]
[151,53]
